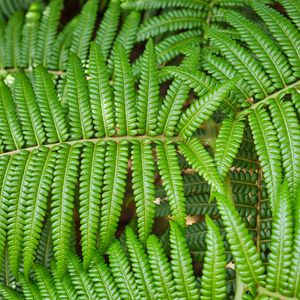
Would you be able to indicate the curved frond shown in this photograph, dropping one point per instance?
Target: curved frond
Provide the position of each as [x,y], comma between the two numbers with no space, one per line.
[45,283]
[213,283]
[267,148]
[172,181]
[181,264]
[281,243]
[250,267]
[143,187]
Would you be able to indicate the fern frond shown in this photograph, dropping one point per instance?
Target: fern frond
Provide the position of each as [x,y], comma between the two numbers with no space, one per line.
[250,267]
[228,143]
[293,10]
[198,158]
[84,29]
[65,177]
[148,93]
[181,265]
[16,208]
[281,243]
[270,55]
[124,94]
[91,174]
[121,271]
[12,39]
[81,281]
[161,269]
[200,110]
[143,187]
[286,34]
[116,161]
[172,181]
[47,32]
[30,35]
[100,93]
[140,266]
[286,123]
[108,27]
[149,4]
[171,108]
[10,129]
[213,283]
[51,110]
[244,63]
[29,288]
[169,21]
[9,293]
[28,111]
[103,280]
[294,277]
[267,148]
[77,98]
[42,163]
[45,283]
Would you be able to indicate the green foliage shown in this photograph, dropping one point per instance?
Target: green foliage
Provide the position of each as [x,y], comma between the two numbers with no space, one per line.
[155,115]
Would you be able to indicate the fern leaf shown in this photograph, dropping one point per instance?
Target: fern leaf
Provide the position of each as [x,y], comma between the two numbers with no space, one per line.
[29,289]
[65,177]
[198,158]
[281,243]
[78,101]
[275,63]
[28,111]
[2,43]
[61,47]
[51,110]
[148,93]
[223,71]
[30,35]
[200,110]
[16,208]
[47,32]
[286,123]
[126,36]
[181,264]
[150,4]
[171,109]
[143,187]
[172,181]
[228,143]
[42,163]
[244,63]
[12,40]
[103,280]
[64,288]
[293,10]
[294,275]
[92,163]
[84,29]
[250,267]
[81,281]
[213,283]
[267,148]
[45,283]
[124,93]
[10,129]
[121,271]
[284,31]
[100,93]
[108,27]
[161,269]
[115,175]
[140,266]
[169,21]
[9,294]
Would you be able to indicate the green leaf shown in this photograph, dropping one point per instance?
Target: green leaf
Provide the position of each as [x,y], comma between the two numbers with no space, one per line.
[45,283]
[143,187]
[181,264]
[213,283]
